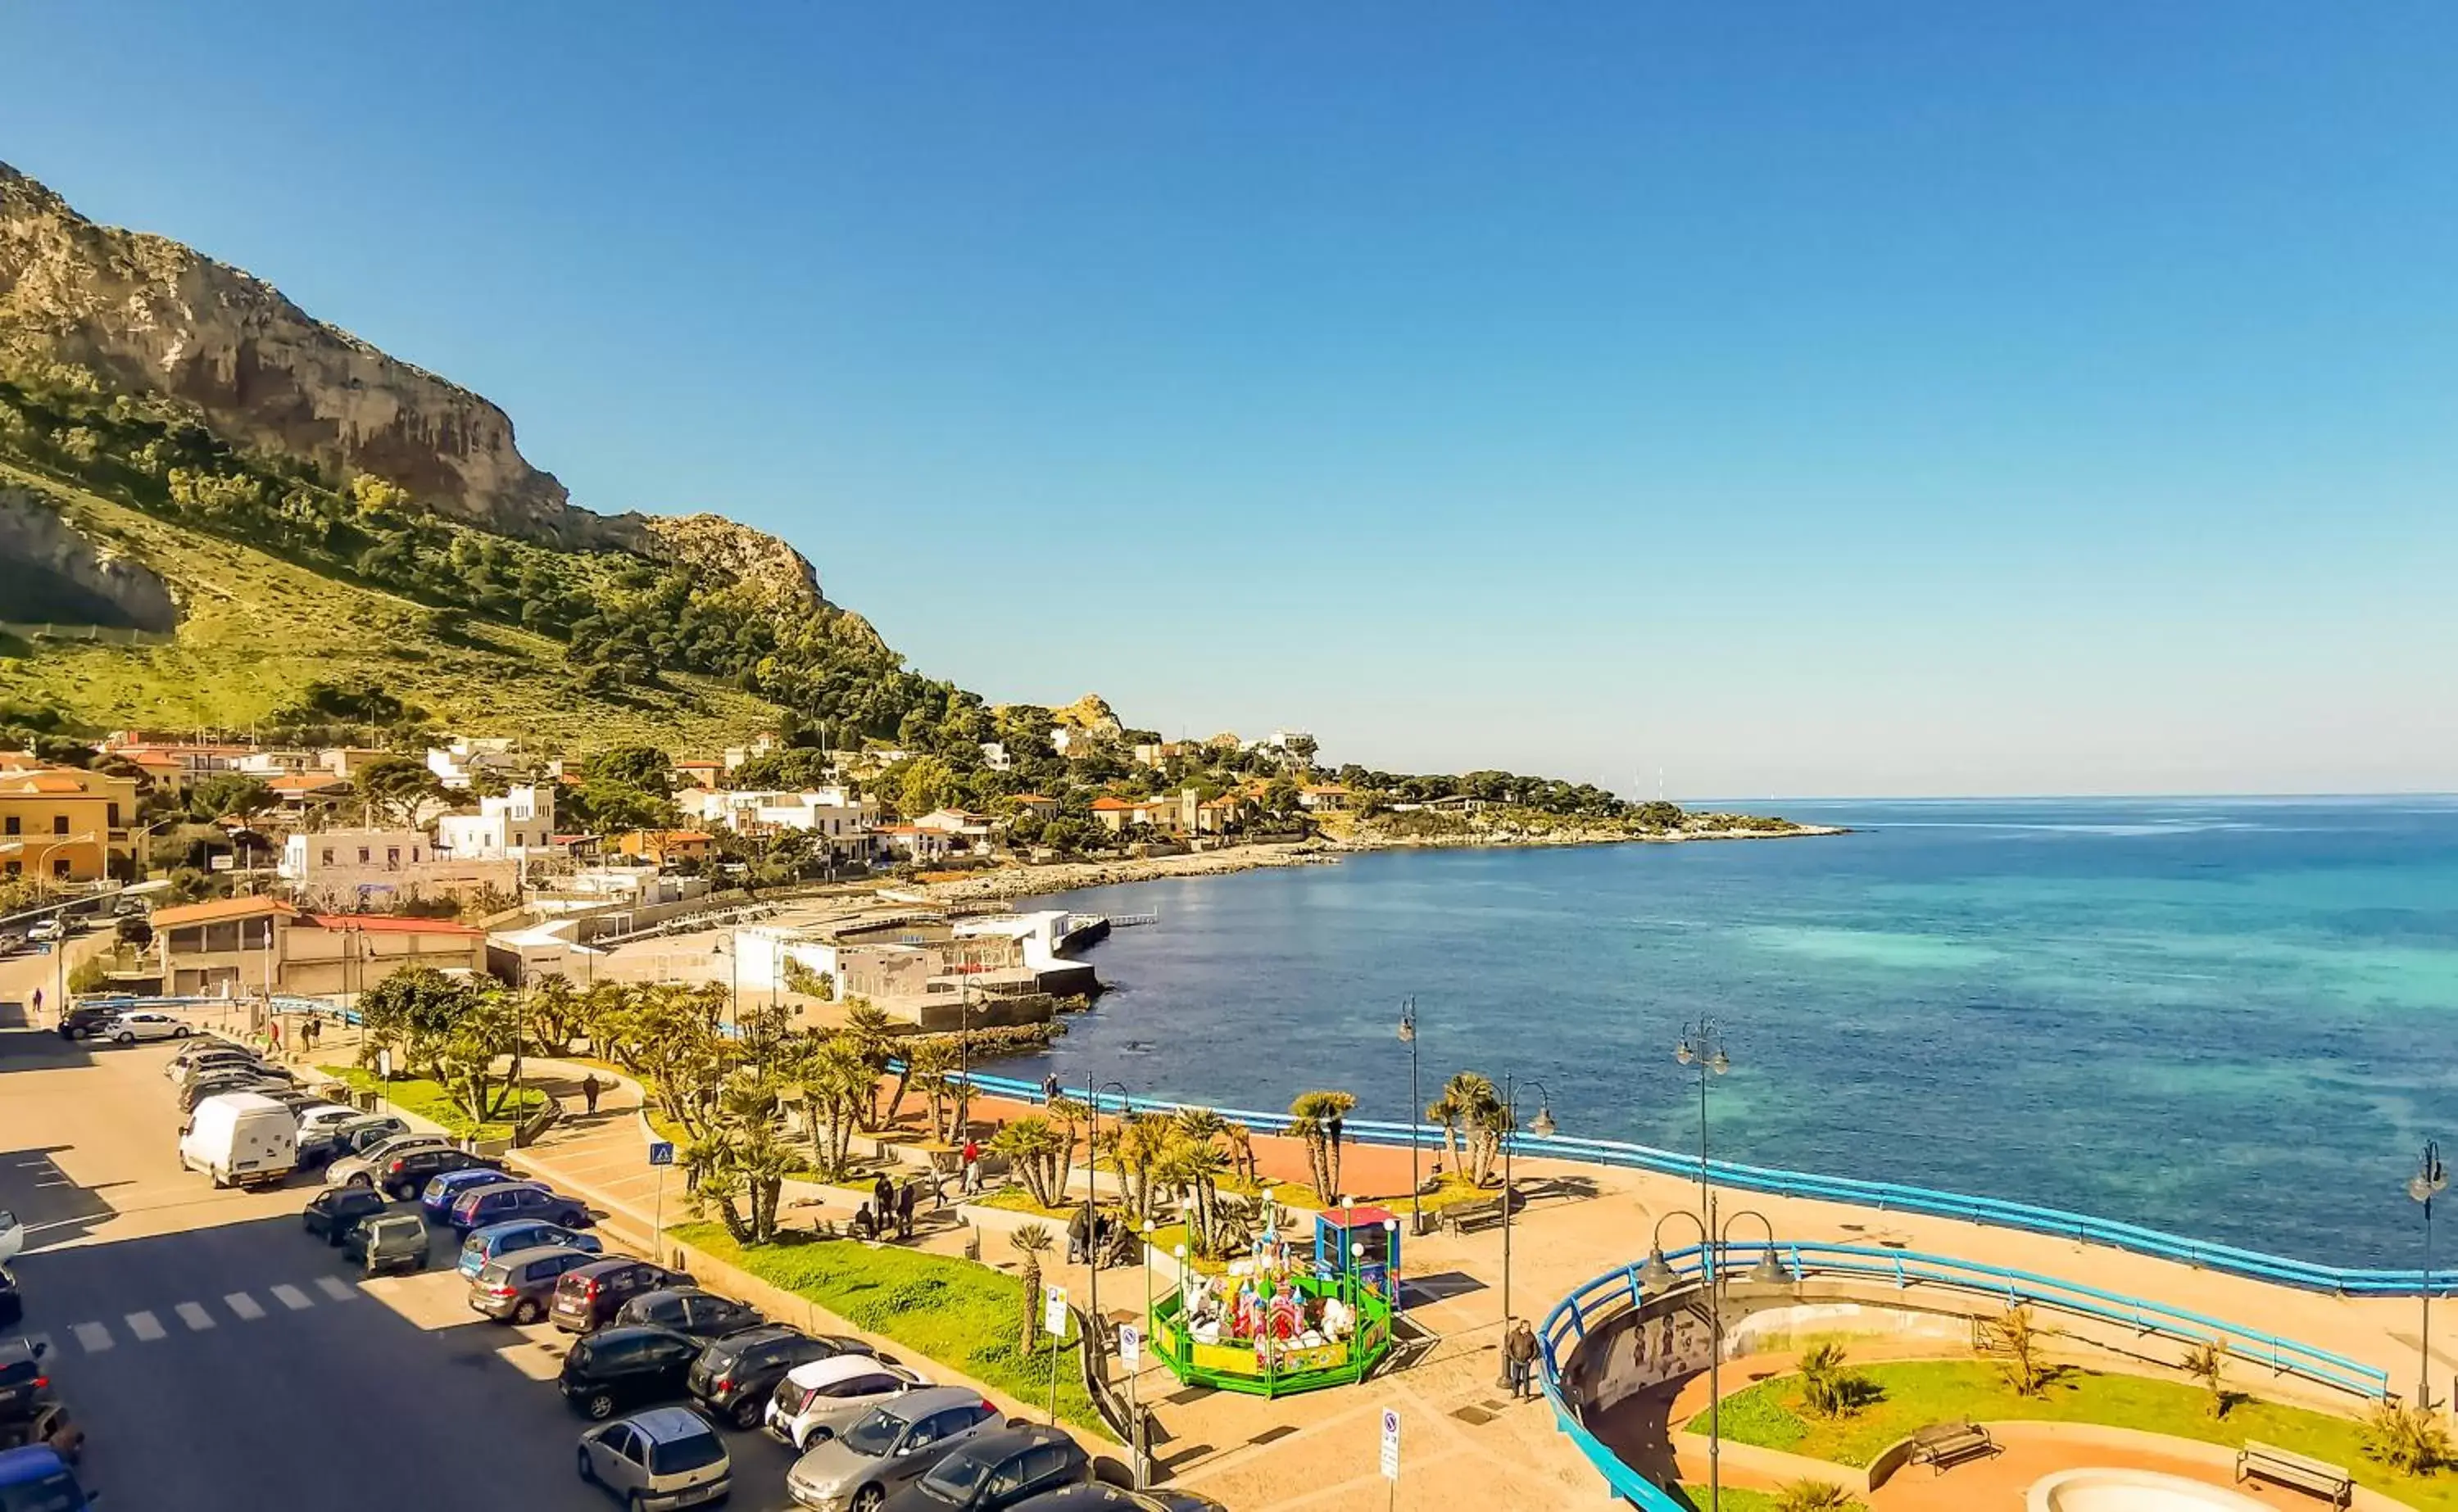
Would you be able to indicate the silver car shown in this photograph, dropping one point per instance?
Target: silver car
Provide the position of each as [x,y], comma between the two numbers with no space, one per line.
[359,1170]
[667,1456]
[888,1448]
[817,1400]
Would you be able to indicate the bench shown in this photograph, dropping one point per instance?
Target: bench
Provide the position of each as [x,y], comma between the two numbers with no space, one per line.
[2291,1469]
[1942,1444]
[1462,1216]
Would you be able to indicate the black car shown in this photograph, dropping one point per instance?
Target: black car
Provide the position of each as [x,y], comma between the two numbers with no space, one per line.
[689,1310]
[24,1385]
[81,1023]
[622,1367]
[406,1175]
[221,1085]
[735,1376]
[1094,1495]
[331,1211]
[589,1296]
[997,1471]
[12,1302]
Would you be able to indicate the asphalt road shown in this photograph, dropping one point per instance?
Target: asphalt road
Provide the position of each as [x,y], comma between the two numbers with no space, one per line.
[223,1360]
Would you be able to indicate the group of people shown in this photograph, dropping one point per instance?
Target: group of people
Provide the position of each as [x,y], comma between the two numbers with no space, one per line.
[889,1212]
[1269,1310]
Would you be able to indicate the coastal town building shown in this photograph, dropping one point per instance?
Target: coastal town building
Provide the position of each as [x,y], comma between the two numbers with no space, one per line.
[995,757]
[66,824]
[699,773]
[1040,805]
[1327,798]
[239,946]
[971,831]
[382,868]
[663,847]
[830,812]
[518,823]
[458,763]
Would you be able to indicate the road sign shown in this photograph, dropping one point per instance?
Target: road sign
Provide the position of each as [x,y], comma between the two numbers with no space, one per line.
[1053,1310]
[1390,1444]
[661,1152]
[1130,1346]
[383,1064]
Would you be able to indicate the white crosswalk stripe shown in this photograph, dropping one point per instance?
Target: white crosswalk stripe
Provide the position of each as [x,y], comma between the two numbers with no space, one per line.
[146,1327]
[93,1336]
[334,1287]
[244,1305]
[291,1298]
[194,1316]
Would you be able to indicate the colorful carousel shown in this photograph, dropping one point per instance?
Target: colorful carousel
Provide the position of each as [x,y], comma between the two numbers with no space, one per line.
[1279,1322]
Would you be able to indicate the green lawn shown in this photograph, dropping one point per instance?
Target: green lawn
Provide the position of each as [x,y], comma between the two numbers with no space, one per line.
[430,1099]
[964,1315]
[1733,1500]
[1922,1392]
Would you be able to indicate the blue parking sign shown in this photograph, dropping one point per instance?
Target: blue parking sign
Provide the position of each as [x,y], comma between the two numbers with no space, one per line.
[662,1152]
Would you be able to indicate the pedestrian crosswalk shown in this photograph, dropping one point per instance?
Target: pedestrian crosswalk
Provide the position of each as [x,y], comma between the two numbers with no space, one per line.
[147,1326]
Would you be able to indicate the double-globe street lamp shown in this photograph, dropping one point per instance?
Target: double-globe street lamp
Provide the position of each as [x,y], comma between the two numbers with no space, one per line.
[1409,1037]
[1542,1127]
[1702,1045]
[1093,1211]
[2422,1187]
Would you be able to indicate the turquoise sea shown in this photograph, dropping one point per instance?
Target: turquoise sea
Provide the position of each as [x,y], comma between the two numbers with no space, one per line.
[2232,1019]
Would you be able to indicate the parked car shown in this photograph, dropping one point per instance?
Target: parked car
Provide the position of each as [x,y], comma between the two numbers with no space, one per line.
[817,1402]
[359,1170]
[240,1140]
[417,1172]
[521,1233]
[80,1022]
[318,1116]
[143,1024]
[35,1476]
[507,1200]
[888,1448]
[667,1456]
[391,1241]
[1095,1496]
[688,1309]
[998,1470]
[209,1087]
[196,1052]
[518,1287]
[331,1211]
[587,1296]
[617,1367]
[26,1386]
[339,1141]
[736,1375]
[46,932]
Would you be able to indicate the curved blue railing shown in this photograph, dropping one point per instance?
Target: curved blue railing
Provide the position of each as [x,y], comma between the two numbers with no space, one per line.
[1885,1195]
[1619,1290]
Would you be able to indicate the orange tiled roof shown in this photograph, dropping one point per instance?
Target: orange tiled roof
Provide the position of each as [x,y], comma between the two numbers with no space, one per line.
[219,909]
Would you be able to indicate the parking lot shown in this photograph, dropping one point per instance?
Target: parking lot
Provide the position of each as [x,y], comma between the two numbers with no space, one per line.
[213,1348]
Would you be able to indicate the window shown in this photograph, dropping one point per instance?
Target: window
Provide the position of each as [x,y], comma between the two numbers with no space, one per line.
[60,867]
[362,856]
[110,815]
[15,824]
[60,824]
[393,856]
[623,1443]
[1044,1460]
[329,856]
[16,869]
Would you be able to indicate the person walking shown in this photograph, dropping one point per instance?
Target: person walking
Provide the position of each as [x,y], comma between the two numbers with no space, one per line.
[1079,1236]
[590,1087]
[1519,1359]
[310,1032]
[273,1036]
[973,1157]
[1049,1088]
[905,1196]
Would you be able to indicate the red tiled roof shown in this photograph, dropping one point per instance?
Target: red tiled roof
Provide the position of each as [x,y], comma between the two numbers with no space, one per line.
[1111,805]
[389,925]
[52,781]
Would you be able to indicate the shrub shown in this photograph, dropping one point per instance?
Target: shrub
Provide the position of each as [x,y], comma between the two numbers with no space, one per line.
[1826,1388]
[1816,1496]
[2408,1439]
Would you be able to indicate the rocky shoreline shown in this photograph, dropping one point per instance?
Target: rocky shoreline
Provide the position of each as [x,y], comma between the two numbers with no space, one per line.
[1061,876]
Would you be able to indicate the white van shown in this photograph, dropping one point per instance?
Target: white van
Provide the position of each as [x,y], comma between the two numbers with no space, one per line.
[240,1139]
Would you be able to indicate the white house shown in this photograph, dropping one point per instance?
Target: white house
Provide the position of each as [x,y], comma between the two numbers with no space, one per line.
[458,762]
[971,830]
[357,867]
[828,813]
[995,756]
[519,822]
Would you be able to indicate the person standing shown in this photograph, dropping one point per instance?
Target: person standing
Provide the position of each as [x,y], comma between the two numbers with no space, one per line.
[882,1200]
[973,1157]
[1079,1236]
[590,1087]
[905,1196]
[1049,1089]
[1519,1359]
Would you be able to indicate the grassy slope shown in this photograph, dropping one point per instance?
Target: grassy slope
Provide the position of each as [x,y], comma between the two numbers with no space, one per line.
[1921,1393]
[257,628]
[951,1309]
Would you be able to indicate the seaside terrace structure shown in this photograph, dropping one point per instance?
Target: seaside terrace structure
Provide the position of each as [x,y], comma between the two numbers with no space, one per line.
[243,946]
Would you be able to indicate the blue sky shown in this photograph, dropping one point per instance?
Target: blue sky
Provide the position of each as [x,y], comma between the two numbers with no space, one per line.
[1913,397]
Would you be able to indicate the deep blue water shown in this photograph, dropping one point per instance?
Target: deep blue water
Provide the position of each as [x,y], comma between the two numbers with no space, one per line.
[2232,1019]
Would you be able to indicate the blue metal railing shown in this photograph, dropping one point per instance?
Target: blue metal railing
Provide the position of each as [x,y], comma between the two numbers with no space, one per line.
[1619,1290]
[1885,1195]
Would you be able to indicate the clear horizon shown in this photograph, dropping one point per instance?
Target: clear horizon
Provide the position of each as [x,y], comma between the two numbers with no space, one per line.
[1930,403]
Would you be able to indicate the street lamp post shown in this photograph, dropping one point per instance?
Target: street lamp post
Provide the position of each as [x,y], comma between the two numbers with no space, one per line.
[1702,1044]
[1409,1037]
[1542,1127]
[2424,1186]
[1092,1212]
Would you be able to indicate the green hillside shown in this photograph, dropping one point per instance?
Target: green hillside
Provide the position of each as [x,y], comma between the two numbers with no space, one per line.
[256,630]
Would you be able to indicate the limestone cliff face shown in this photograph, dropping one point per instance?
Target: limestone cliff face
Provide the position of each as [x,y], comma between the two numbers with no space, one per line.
[778,575]
[148,314]
[48,572]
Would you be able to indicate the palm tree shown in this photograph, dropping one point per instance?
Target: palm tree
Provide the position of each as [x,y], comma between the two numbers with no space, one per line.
[2016,1343]
[1070,1116]
[1448,1111]
[1032,1242]
[1310,1120]
[867,1030]
[835,1087]
[2207,1363]
[1196,1167]
[1031,1146]
[931,1067]
[1136,1148]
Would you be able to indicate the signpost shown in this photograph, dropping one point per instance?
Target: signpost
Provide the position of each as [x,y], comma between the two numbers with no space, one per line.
[384,1076]
[1391,1453]
[1131,1354]
[661,1155]
[1054,1322]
